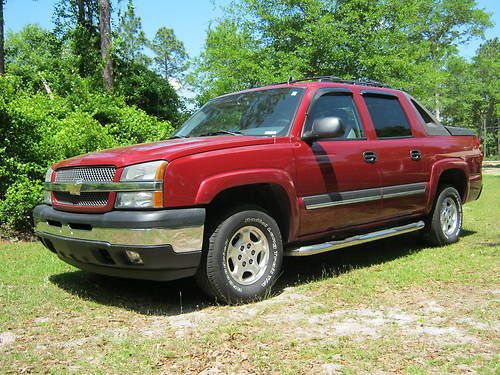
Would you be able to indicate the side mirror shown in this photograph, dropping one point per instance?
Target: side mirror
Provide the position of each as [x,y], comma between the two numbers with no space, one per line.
[326,127]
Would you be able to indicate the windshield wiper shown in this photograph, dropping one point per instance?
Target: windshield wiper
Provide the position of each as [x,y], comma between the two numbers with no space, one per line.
[219,132]
[178,136]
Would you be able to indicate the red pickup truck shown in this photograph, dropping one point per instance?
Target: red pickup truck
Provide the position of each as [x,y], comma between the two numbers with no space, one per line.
[295,169]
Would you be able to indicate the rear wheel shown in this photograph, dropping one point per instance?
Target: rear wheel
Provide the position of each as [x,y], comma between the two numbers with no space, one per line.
[243,257]
[445,222]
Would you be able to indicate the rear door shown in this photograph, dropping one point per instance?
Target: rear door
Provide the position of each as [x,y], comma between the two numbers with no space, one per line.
[339,188]
[399,155]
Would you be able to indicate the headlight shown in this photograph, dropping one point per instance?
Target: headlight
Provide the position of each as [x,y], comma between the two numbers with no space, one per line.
[48,175]
[152,171]
[47,195]
[144,172]
[47,198]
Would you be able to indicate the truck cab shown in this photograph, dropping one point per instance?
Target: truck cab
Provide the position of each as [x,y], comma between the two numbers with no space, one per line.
[291,169]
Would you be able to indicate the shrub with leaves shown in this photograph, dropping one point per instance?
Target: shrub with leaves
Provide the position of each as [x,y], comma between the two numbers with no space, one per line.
[16,206]
[37,130]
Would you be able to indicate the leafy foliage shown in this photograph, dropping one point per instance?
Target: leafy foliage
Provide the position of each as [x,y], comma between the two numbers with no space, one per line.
[405,44]
[170,55]
[472,94]
[16,206]
[148,91]
[76,23]
[140,85]
[53,106]
[38,130]
[130,39]
[37,56]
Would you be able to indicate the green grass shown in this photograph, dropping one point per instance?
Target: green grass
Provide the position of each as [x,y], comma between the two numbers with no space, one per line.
[393,305]
[492,158]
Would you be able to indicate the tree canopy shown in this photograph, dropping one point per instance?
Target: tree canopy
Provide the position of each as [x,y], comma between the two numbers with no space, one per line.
[406,44]
[170,56]
[409,45]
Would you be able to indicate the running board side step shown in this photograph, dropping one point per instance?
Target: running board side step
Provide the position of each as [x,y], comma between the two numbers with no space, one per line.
[355,240]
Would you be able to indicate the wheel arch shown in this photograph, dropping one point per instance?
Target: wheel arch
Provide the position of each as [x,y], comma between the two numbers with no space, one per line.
[452,172]
[270,189]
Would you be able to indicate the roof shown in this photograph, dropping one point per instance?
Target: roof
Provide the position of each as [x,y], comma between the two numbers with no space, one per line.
[321,81]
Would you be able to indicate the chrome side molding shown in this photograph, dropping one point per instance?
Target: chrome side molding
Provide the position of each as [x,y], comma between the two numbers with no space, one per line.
[355,240]
[333,199]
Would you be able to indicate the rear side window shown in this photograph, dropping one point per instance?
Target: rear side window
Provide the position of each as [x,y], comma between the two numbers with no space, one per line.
[341,106]
[387,116]
[431,126]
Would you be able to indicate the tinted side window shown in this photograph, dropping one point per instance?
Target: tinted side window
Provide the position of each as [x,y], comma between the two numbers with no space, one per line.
[387,116]
[431,126]
[341,106]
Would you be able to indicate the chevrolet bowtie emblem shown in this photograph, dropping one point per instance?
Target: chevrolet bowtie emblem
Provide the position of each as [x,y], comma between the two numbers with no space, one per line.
[76,187]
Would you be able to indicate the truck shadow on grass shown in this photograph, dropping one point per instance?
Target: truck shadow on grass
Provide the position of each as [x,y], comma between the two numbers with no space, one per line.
[182,296]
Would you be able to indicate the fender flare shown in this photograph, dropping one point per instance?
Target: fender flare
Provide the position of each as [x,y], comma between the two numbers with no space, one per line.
[437,170]
[215,184]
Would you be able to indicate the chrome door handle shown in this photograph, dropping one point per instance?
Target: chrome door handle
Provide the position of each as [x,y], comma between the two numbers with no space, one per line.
[370,157]
[415,155]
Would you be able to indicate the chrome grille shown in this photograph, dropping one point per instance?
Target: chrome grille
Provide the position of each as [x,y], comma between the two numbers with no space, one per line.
[83,200]
[86,174]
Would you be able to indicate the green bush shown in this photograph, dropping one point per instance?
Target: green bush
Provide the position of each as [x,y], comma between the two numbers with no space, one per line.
[79,133]
[15,208]
[37,130]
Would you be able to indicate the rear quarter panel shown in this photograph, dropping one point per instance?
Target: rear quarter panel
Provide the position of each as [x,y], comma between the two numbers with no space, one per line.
[453,152]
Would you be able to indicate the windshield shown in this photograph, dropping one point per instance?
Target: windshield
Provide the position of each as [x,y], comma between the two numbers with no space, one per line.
[261,113]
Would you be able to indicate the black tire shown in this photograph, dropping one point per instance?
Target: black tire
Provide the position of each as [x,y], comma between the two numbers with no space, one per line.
[440,232]
[218,275]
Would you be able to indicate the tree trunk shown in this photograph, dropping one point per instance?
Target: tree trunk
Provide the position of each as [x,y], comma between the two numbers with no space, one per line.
[492,123]
[81,12]
[495,122]
[46,86]
[82,61]
[437,108]
[2,50]
[90,15]
[485,134]
[105,30]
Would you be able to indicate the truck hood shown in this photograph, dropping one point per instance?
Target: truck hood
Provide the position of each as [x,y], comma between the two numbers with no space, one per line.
[167,150]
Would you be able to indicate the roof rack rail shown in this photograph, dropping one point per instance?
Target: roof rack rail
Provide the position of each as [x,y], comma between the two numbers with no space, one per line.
[321,79]
[371,82]
[362,81]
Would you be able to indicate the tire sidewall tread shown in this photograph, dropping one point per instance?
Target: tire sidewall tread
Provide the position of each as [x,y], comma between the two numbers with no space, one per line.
[434,232]
[216,275]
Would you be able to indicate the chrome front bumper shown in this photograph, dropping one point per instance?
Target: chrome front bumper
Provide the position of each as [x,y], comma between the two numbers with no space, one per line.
[181,229]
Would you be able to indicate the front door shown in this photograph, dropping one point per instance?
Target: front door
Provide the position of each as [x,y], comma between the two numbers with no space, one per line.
[339,185]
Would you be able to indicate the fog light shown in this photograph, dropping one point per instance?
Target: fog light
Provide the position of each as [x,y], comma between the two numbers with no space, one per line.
[47,198]
[134,257]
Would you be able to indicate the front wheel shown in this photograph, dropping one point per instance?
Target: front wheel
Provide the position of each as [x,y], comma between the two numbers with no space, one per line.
[445,222]
[243,257]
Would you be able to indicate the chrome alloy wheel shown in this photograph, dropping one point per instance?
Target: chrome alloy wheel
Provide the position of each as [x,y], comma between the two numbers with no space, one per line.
[247,255]
[449,217]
